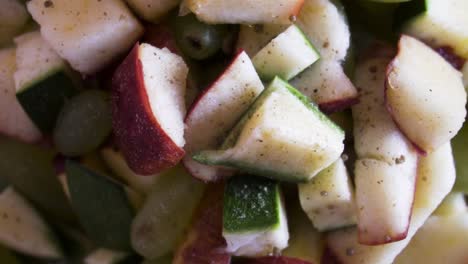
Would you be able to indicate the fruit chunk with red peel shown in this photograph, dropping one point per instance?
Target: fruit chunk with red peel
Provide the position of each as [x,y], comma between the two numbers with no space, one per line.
[325,25]
[436,176]
[204,242]
[273,260]
[149,107]
[375,134]
[281,136]
[325,82]
[385,172]
[441,23]
[449,55]
[384,197]
[161,36]
[245,11]
[88,34]
[217,110]
[14,121]
[425,95]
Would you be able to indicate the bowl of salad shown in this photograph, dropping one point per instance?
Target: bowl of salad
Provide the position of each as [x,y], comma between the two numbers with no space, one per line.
[222,131]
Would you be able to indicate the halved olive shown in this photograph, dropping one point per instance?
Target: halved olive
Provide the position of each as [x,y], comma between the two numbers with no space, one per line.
[197,39]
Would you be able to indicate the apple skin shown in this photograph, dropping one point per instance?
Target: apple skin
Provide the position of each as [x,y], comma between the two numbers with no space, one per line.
[363,240]
[222,172]
[338,105]
[161,36]
[426,140]
[145,145]
[273,260]
[205,242]
[216,173]
[448,53]
[417,148]
[329,257]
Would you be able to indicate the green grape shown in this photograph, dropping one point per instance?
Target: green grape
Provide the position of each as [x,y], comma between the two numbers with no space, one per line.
[84,123]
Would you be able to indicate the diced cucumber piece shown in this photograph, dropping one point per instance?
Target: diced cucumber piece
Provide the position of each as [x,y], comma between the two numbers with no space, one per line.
[282,136]
[286,55]
[254,219]
[14,121]
[23,229]
[13,18]
[328,199]
[163,219]
[30,170]
[41,80]
[88,34]
[102,206]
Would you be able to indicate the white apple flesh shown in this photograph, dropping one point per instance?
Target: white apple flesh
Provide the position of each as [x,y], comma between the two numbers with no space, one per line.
[425,95]
[216,111]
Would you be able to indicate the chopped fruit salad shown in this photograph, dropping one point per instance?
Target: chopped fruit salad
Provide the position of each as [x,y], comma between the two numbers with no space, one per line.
[233,131]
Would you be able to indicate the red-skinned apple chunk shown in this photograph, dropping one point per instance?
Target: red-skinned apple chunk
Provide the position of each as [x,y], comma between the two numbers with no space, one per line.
[425,95]
[436,176]
[148,108]
[245,11]
[217,110]
[386,169]
[204,242]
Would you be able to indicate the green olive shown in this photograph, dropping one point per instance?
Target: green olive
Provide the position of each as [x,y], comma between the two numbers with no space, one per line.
[198,40]
[84,123]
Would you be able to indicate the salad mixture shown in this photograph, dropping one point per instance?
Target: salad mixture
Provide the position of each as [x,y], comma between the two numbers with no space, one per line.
[233,131]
